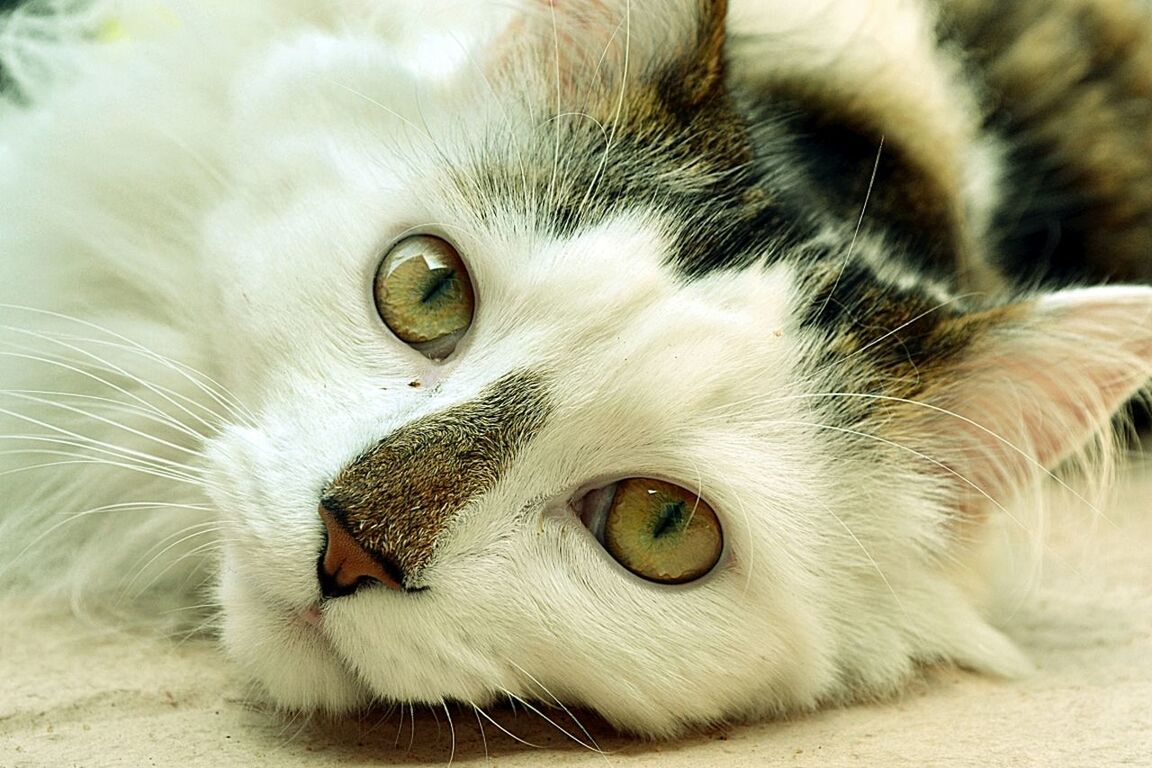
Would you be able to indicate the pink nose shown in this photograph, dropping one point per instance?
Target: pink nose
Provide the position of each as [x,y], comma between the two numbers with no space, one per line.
[346,565]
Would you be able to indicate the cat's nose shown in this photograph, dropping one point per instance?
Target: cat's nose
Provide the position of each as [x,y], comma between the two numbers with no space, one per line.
[346,565]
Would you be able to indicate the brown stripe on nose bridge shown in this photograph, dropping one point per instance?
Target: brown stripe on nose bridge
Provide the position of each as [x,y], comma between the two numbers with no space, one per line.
[398,498]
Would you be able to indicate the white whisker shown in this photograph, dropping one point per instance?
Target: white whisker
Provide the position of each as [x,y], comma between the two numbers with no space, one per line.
[384,107]
[89,415]
[618,114]
[480,725]
[1024,454]
[590,744]
[856,233]
[504,730]
[559,96]
[117,406]
[64,365]
[170,542]
[144,464]
[219,395]
[399,727]
[918,454]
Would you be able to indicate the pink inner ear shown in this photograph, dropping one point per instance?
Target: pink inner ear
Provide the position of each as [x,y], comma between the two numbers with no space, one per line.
[1038,388]
[579,46]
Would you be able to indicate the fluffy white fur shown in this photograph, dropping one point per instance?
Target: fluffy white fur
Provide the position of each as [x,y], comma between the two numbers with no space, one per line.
[216,186]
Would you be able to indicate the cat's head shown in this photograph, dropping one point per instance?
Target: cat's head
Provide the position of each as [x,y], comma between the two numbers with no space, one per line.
[556,393]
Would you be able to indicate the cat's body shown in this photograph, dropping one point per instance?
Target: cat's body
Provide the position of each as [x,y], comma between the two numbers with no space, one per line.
[792,273]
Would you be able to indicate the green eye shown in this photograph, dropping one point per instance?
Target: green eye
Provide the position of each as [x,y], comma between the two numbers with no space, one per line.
[424,295]
[657,530]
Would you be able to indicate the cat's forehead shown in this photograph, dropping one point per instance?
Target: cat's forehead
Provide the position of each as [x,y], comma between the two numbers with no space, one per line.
[619,276]
[481,147]
[565,174]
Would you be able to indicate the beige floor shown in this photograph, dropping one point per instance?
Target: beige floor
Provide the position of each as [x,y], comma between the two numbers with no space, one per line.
[68,699]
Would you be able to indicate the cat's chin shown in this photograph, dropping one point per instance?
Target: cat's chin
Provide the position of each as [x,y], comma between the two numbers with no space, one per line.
[305,658]
[289,656]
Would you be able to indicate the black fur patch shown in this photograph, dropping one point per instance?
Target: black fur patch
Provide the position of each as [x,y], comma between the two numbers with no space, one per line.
[856,172]
[695,164]
[747,177]
[751,177]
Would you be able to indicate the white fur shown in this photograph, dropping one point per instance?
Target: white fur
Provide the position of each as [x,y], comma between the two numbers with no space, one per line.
[218,189]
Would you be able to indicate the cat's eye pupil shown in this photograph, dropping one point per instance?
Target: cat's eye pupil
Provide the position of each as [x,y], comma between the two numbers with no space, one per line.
[656,529]
[671,519]
[441,282]
[424,294]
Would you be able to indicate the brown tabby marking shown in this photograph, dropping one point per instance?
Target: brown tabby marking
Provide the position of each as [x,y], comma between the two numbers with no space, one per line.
[399,497]
[1072,81]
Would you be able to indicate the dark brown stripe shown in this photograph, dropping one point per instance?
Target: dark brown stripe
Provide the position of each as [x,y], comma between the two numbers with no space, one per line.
[399,498]
[889,340]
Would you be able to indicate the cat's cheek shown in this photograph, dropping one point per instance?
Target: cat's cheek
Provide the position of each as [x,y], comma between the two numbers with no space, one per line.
[410,653]
[290,658]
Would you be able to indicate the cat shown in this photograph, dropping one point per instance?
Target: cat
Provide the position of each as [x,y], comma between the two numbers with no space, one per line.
[683,362]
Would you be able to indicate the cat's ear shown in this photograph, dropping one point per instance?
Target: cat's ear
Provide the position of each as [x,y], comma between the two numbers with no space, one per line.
[593,48]
[1041,381]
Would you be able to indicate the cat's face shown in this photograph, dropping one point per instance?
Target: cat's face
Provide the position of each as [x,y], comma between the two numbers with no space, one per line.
[637,373]
[598,348]
[517,587]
